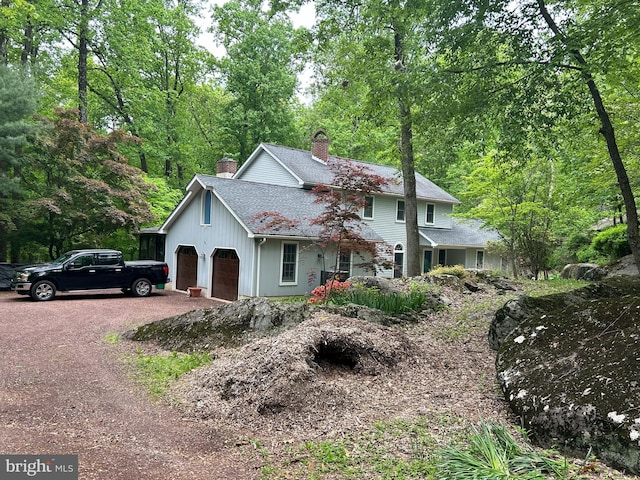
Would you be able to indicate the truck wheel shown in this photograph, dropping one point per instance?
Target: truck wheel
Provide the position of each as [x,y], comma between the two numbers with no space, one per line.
[43,291]
[141,288]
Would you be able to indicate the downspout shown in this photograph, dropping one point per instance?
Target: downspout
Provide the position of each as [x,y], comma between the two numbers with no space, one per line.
[260,243]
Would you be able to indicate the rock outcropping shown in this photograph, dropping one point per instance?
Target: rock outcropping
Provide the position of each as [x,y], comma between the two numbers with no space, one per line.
[573,375]
[516,311]
[227,325]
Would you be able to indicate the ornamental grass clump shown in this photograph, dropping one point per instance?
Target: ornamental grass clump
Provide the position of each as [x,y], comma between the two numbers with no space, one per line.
[493,454]
[392,303]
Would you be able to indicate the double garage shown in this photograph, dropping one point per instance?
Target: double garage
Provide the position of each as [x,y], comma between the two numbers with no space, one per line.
[224,276]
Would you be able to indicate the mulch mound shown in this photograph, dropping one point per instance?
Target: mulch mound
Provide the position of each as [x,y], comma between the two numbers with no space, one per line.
[299,374]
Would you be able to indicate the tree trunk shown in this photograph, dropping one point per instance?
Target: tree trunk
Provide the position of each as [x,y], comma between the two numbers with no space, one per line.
[408,172]
[27,45]
[4,39]
[607,131]
[83,54]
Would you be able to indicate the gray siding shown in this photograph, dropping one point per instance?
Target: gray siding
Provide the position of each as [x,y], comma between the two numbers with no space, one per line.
[223,233]
[265,169]
[441,218]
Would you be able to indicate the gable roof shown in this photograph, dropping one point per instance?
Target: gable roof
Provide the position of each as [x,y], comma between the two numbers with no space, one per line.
[463,233]
[249,203]
[310,171]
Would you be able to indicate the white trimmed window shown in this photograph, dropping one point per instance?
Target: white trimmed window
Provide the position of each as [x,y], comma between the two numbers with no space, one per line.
[344,263]
[206,207]
[289,263]
[400,213]
[430,217]
[367,211]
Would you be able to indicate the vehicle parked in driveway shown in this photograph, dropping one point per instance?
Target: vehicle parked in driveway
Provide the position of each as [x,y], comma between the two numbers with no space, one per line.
[89,270]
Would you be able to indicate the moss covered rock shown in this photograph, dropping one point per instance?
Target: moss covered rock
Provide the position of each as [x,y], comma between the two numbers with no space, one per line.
[573,376]
[518,310]
[226,325]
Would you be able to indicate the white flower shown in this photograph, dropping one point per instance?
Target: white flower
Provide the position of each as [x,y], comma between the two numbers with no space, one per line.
[519,339]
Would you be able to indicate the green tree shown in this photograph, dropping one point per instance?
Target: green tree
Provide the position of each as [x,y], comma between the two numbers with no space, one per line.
[17,105]
[517,196]
[80,188]
[570,47]
[259,71]
[146,66]
[380,52]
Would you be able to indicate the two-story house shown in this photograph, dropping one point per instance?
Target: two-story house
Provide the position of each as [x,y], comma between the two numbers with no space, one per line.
[217,239]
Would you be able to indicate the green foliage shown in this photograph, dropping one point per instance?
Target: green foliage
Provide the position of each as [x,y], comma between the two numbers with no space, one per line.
[391,303]
[157,372]
[455,270]
[17,104]
[162,197]
[493,453]
[612,242]
[80,188]
[259,71]
[112,338]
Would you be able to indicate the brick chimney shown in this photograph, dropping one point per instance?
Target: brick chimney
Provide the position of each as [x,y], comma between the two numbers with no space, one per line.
[226,168]
[320,145]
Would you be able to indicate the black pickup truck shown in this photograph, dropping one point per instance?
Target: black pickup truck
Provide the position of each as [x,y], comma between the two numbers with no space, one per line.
[89,270]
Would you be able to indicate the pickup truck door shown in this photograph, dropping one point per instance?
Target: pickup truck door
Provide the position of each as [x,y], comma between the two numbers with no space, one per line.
[85,272]
[78,273]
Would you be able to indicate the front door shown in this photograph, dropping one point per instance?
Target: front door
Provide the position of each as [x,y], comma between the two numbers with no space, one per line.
[427,262]
[226,272]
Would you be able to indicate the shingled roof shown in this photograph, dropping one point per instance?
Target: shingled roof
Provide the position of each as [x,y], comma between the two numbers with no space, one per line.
[311,171]
[463,233]
[250,202]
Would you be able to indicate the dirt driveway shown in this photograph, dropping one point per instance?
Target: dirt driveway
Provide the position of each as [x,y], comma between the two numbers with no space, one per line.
[64,390]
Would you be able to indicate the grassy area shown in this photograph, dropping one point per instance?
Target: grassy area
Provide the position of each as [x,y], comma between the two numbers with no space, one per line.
[404,451]
[157,372]
[555,284]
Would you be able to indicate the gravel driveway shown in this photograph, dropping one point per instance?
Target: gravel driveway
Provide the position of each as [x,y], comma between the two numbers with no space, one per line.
[64,390]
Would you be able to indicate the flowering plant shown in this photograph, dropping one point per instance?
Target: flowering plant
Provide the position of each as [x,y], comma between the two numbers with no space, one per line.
[321,293]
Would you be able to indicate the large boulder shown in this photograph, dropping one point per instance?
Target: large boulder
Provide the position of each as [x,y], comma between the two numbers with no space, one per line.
[515,311]
[583,271]
[226,325]
[573,378]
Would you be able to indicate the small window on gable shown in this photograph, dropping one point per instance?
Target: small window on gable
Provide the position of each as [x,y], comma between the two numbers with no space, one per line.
[206,208]
[367,212]
[400,211]
[289,264]
[431,214]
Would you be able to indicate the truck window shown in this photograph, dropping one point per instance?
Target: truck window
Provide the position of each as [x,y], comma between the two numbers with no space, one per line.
[108,259]
[82,261]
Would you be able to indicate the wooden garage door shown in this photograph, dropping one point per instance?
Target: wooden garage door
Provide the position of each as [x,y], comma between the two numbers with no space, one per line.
[226,271]
[187,271]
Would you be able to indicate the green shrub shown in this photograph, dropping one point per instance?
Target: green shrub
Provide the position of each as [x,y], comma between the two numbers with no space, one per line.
[612,242]
[456,270]
[390,303]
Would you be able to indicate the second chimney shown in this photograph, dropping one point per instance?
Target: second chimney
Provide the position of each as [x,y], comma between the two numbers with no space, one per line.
[226,168]
[320,145]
